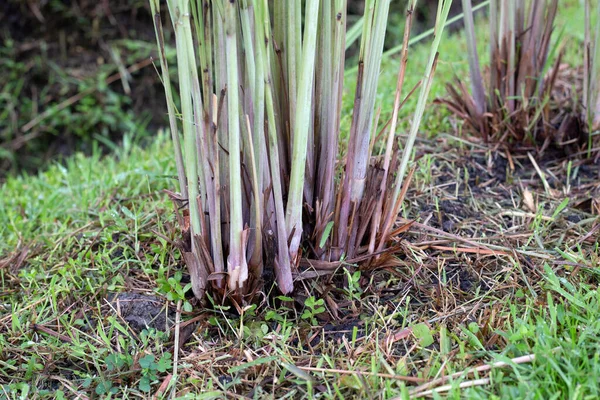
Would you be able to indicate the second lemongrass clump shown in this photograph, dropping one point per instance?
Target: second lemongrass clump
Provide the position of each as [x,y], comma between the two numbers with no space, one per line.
[259,166]
[511,105]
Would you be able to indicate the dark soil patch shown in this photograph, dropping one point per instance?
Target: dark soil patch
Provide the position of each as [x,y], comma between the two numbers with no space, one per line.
[142,311]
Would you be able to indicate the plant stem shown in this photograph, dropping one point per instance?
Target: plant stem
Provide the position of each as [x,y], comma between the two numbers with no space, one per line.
[301,130]
[237,267]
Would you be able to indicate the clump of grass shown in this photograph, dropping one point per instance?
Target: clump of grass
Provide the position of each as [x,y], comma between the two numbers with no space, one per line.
[261,167]
[513,107]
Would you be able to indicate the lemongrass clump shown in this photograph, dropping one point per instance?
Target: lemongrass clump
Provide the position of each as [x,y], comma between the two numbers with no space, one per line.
[513,107]
[260,89]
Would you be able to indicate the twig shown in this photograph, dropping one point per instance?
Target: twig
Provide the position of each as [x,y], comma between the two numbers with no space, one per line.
[364,373]
[481,368]
[587,235]
[469,250]
[176,349]
[540,173]
[51,332]
[445,388]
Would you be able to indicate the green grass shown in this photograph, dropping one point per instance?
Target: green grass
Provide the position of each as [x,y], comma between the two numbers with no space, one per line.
[99,225]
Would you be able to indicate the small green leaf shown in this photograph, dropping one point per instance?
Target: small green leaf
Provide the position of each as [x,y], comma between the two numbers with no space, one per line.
[326,233]
[423,334]
[284,298]
[144,384]
[297,371]
[473,327]
[147,361]
[164,363]
[127,212]
[563,204]
[272,315]
[103,387]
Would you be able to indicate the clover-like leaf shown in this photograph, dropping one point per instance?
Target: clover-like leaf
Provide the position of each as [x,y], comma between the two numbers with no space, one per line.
[147,361]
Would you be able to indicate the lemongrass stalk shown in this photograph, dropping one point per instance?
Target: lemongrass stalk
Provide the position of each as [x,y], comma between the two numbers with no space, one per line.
[255,263]
[279,68]
[512,54]
[249,59]
[187,113]
[345,203]
[217,231]
[301,129]
[365,37]
[237,267]
[293,46]
[365,117]
[323,90]
[186,41]
[329,86]
[166,80]
[594,82]
[283,267]
[392,133]
[442,16]
[201,17]
[587,55]
[180,13]
[494,49]
[221,119]
[205,155]
[474,67]
[257,112]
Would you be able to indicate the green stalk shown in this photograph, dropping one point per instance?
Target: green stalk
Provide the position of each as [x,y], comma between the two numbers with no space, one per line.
[329,86]
[257,113]
[211,183]
[594,78]
[255,263]
[282,266]
[237,267]
[166,79]
[343,209]
[301,127]
[221,134]
[494,49]
[587,63]
[392,133]
[365,118]
[180,12]
[292,55]
[187,113]
[512,53]
[248,46]
[202,25]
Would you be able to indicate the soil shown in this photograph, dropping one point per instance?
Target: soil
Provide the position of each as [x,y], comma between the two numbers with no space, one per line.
[142,311]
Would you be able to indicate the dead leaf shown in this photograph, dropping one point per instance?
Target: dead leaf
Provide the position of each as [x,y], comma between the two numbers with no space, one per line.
[528,200]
